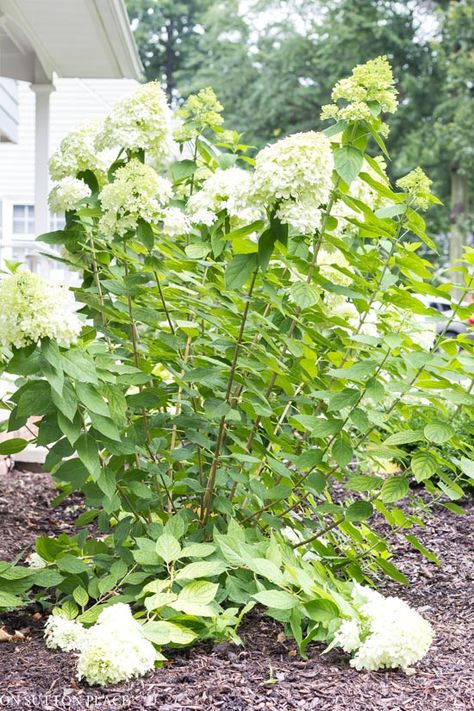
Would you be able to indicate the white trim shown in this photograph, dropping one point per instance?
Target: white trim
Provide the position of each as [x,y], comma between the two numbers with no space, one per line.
[42,95]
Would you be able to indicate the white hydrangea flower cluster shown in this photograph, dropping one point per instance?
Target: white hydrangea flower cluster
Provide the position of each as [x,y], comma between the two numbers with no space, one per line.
[77,153]
[230,190]
[175,222]
[112,650]
[141,121]
[295,176]
[330,260]
[65,634]
[388,634]
[66,194]
[382,317]
[32,308]
[115,648]
[338,306]
[136,192]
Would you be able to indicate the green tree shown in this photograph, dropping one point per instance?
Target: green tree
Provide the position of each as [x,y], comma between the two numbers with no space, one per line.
[166,32]
[453,116]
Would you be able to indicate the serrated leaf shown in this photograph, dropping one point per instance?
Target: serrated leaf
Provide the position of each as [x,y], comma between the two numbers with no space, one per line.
[201,569]
[168,547]
[467,466]
[71,564]
[303,294]
[404,437]
[342,450]
[198,550]
[429,555]
[277,599]
[438,432]
[81,596]
[87,451]
[197,251]
[13,446]
[348,162]
[394,489]
[359,511]
[162,632]
[239,270]
[423,465]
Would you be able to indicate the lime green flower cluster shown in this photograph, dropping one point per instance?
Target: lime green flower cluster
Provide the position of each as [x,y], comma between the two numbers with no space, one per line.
[200,111]
[138,122]
[32,308]
[368,91]
[137,192]
[77,153]
[66,194]
[418,186]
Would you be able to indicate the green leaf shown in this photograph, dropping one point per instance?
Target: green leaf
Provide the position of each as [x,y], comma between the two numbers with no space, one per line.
[195,597]
[105,426]
[92,399]
[79,367]
[168,547]
[146,553]
[393,572]
[7,600]
[429,555]
[66,401]
[467,466]
[277,599]
[348,162]
[72,429]
[394,489]
[197,251]
[266,569]
[346,398]
[72,471]
[342,450]
[81,596]
[106,483]
[162,632]
[201,569]
[363,482]
[198,550]
[145,234]
[87,450]
[303,294]
[359,511]
[266,245]
[199,591]
[13,446]
[71,564]
[45,578]
[423,465]
[239,270]
[404,437]
[439,433]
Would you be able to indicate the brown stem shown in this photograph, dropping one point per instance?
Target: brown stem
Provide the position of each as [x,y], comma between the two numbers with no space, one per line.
[208,494]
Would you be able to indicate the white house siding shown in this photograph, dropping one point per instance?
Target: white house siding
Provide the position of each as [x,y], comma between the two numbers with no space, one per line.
[73,102]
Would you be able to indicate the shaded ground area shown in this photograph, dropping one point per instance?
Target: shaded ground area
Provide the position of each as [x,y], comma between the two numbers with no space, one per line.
[265,674]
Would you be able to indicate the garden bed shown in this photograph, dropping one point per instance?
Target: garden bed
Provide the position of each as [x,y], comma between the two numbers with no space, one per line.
[266,673]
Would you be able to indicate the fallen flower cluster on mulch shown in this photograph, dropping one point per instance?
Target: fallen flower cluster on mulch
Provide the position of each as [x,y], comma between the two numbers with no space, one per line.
[266,673]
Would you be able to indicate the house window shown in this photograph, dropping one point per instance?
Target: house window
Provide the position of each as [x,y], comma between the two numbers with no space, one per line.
[56,222]
[23,219]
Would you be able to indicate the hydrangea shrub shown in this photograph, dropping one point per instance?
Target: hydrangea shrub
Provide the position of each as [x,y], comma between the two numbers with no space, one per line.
[253,332]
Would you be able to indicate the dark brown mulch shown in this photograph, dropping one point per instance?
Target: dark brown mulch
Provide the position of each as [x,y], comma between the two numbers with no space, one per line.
[265,674]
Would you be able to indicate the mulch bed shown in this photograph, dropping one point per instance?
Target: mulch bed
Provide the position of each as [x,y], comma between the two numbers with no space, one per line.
[266,673]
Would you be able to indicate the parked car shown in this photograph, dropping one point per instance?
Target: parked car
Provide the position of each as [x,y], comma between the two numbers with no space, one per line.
[451,328]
